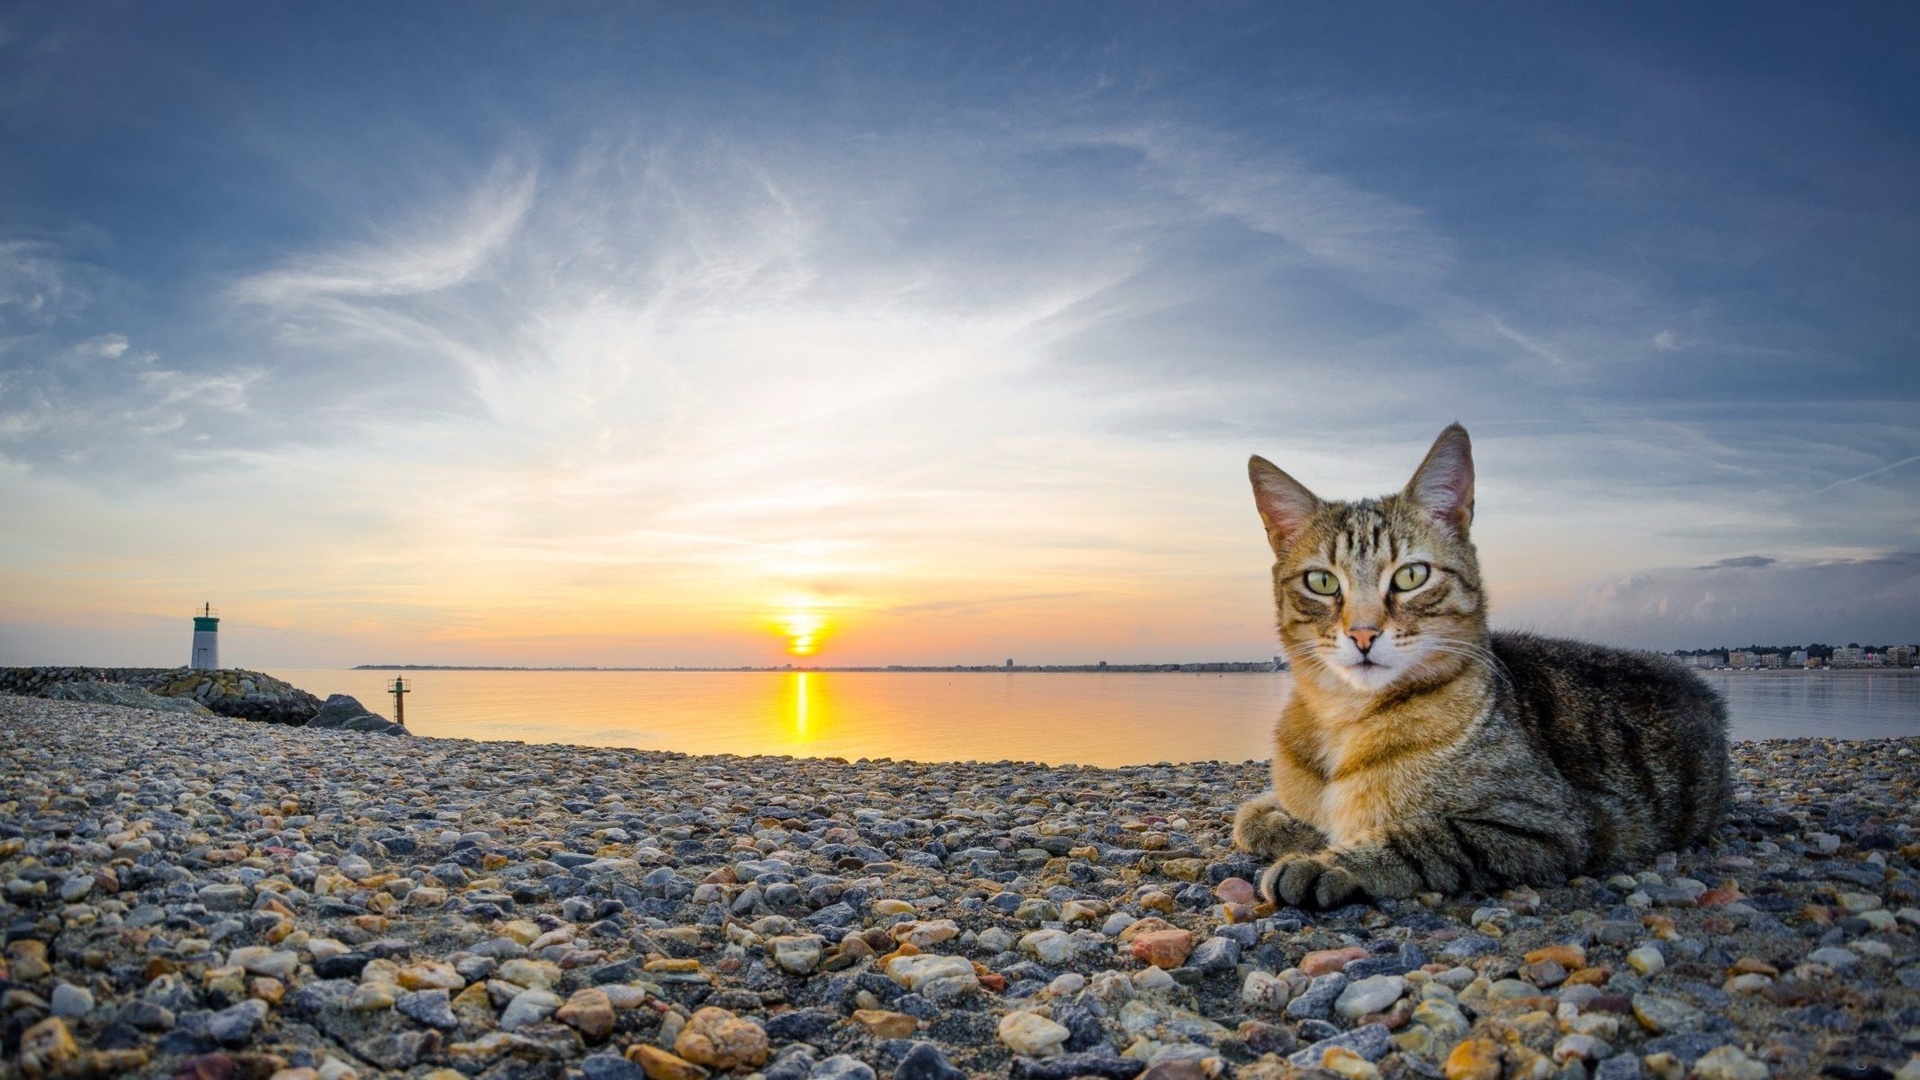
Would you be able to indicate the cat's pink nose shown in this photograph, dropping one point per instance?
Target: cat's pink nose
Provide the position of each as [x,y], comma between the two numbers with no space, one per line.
[1363,636]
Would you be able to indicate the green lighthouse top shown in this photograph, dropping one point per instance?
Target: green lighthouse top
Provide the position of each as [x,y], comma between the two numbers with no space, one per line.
[206,620]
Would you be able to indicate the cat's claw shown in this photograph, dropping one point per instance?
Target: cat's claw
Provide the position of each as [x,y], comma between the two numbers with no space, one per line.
[1310,881]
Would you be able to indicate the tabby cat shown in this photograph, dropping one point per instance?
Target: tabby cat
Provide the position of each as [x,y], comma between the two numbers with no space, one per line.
[1419,751]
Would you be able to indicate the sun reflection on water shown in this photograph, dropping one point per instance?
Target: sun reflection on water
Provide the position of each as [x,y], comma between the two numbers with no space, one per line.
[801,694]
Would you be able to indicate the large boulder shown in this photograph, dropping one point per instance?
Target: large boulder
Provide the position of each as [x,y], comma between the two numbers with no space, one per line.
[344,712]
[336,711]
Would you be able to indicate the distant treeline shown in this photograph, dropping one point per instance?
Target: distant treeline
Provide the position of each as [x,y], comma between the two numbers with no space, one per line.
[1817,650]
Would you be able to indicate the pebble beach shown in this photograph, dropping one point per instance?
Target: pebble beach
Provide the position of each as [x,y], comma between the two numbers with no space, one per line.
[213,898]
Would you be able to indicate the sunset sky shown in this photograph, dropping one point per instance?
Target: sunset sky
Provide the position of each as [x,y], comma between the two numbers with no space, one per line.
[670,334]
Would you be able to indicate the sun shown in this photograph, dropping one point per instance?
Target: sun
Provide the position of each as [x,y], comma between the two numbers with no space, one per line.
[804,629]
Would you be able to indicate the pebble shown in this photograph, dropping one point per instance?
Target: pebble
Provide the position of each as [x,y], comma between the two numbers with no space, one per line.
[658,1064]
[937,977]
[1031,1034]
[1474,1059]
[589,1010]
[427,975]
[1728,1063]
[70,1001]
[718,1039]
[1621,1066]
[1236,891]
[1371,1042]
[1664,1014]
[1070,983]
[1369,995]
[1163,948]
[886,1025]
[430,1007]
[1216,954]
[1341,1062]
[1647,960]
[595,1067]
[1833,956]
[1153,978]
[1316,1001]
[1324,961]
[235,1024]
[527,1007]
[842,1067]
[1053,947]
[1578,1047]
[223,897]
[925,1062]
[46,1047]
[267,877]
[1264,990]
[797,955]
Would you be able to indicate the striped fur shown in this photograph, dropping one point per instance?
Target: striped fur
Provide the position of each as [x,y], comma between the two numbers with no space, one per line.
[1422,752]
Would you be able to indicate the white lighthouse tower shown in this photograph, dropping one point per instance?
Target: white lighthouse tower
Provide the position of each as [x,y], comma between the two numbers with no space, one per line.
[206,641]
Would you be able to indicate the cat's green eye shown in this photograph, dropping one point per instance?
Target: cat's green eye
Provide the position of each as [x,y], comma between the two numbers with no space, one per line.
[1410,577]
[1321,583]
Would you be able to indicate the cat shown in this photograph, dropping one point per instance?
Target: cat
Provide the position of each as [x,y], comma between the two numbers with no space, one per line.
[1421,752]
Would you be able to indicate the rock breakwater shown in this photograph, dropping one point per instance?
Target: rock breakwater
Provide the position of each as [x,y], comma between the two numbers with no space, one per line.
[245,695]
[202,898]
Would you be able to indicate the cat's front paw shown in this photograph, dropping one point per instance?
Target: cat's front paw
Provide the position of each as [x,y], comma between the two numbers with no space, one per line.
[1331,878]
[1316,880]
[1262,827]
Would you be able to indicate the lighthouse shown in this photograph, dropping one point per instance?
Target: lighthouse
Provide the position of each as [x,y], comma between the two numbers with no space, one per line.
[206,641]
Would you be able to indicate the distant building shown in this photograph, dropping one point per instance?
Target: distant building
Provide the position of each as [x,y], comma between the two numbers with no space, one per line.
[1772,660]
[1740,658]
[206,641]
[1900,656]
[1797,658]
[1847,656]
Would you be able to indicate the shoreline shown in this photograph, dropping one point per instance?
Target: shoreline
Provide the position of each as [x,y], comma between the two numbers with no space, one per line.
[182,890]
[1221,667]
[1214,667]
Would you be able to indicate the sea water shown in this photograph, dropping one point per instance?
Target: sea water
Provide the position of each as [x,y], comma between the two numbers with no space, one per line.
[1107,719]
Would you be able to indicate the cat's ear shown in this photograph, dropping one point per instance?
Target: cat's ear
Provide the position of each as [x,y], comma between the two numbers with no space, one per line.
[1443,484]
[1283,503]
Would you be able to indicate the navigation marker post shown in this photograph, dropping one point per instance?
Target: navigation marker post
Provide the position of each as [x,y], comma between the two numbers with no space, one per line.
[400,688]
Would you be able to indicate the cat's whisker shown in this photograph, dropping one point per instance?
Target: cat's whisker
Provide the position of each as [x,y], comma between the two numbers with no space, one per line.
[1473,652]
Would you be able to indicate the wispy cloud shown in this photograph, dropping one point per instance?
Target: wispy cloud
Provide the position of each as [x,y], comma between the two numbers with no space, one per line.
[633,350]
[448,250]
[1329,218]
[100,407]
[35,285]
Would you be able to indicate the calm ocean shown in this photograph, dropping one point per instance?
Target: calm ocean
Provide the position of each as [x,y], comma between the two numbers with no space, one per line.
[1087,719]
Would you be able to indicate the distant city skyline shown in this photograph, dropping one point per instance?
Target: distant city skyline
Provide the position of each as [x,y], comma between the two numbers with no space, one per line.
[721,335]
